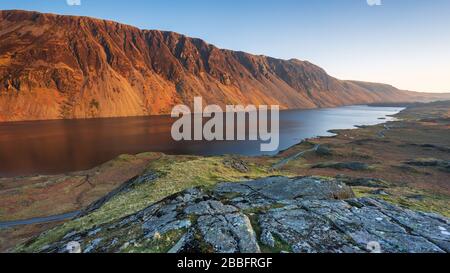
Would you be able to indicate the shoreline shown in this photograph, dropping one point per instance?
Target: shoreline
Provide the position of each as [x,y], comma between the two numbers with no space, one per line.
[335,133]
[70,215]
[391,168]
[387,105]
[329,133]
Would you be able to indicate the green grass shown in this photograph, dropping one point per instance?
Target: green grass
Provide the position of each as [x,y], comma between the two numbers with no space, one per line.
[430,202]
[279,246]
[176,173]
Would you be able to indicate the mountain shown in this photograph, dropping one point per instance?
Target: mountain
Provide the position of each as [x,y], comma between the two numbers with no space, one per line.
[58,67]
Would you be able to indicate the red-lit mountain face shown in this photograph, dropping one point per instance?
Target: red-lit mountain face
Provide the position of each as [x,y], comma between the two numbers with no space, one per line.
[55,67]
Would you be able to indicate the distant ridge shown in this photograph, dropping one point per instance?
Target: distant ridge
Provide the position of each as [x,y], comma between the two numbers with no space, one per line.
[60,67]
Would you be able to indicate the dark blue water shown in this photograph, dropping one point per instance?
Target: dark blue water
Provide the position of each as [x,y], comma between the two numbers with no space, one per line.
[51,147]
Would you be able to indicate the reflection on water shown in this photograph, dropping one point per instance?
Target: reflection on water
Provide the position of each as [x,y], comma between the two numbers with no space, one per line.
[50,147]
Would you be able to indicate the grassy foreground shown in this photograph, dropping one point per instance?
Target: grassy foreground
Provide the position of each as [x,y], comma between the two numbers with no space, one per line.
[404,162]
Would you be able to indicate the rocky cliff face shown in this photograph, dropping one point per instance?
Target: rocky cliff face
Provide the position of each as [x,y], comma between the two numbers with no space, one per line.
[54,67]
[273,214]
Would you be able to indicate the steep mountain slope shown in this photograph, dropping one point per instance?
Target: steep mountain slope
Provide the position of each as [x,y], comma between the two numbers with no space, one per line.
[54,67]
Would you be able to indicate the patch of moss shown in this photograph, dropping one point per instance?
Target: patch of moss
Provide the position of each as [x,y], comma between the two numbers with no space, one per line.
[258,210]
[125,157]
[200,245]
[280,245]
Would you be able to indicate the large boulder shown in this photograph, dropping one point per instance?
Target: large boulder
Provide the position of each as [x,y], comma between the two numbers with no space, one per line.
[274,214]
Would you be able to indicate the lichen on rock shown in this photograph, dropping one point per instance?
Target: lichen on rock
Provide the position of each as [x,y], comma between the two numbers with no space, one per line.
[272,214]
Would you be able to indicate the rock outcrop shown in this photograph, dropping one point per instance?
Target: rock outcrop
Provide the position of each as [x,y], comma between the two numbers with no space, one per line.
[57,67]
[274,214]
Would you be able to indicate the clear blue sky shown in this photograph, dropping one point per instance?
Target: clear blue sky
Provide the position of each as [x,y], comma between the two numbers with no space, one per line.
[402,42]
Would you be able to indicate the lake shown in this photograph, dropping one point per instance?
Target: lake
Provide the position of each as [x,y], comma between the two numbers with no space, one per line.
[52,147]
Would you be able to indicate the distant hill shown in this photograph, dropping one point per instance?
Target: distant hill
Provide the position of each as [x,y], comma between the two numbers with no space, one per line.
[58,67]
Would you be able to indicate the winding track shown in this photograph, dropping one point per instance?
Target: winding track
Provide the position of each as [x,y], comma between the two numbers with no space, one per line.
[285,161]
[39,220]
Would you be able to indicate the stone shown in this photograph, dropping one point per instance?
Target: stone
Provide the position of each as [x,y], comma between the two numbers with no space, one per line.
[299,215]
[92,245]
[237,164]
[231,233]
[210,207]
